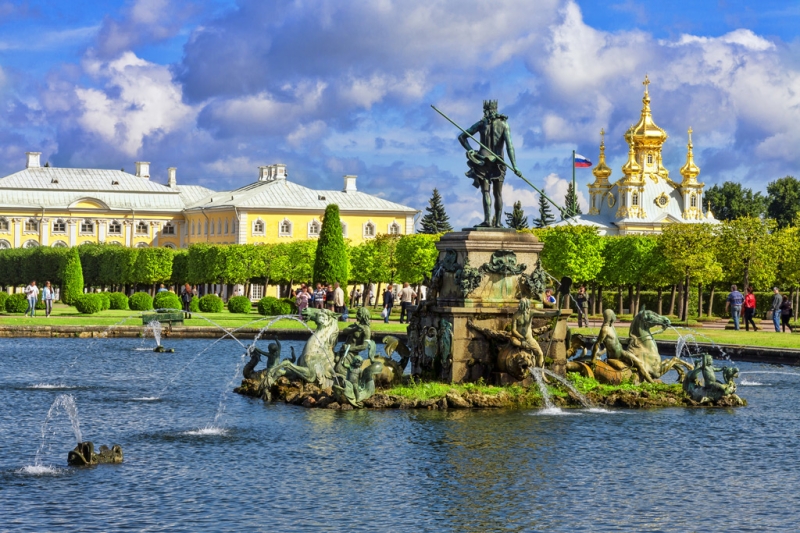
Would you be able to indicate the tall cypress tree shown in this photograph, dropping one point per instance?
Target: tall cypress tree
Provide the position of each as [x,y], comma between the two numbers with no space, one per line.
[516,219]
[570,200]
[71,277]
[331,263]
[545,215]
[436,221]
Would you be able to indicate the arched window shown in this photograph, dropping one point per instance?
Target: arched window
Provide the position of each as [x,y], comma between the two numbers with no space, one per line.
[285,228]
[624,199]
[635,199]
[259,227]
[169,229]
[226,226]
[87,226]
[59,226]
[142,245]
[170,246]
[694,200]
[59,244]
[30,244]
[213,227]
[394,228]
[31,225]
[192,227]
[234,226]
[205,228]
[314,228]
[344,229]
[4,244]
[4,224]
[650,158]
[369,230]
[219,227]
[142,228]
[115,227]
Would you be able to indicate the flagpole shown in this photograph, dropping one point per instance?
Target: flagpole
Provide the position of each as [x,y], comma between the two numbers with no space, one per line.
[573,208]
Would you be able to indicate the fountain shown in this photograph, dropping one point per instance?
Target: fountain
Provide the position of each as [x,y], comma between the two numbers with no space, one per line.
[155,329]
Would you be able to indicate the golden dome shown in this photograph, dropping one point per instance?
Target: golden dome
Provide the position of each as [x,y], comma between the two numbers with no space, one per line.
[601,171]
[631,166]
[689,171]
[645,132]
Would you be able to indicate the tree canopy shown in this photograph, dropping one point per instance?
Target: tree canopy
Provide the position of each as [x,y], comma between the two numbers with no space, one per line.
[730,201]
[784,200]
[516,218]
[330,260]
[436,219]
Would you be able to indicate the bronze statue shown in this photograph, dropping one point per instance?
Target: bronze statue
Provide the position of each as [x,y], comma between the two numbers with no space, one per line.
[711,390]
[83,454]
[487,168]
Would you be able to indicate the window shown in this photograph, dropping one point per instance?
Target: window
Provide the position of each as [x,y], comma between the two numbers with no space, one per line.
[114,228]
[59,226]
[205,228]
[169,229]
[369,230]
[219,227]
[285,228]
[233,226]
[143,245]
[212,228]
[142,229]
[30,244]
[59,244]
[344,229]
[3,224]
[4,244]
[694,200]
[624,199]
[635,199]
[314,228]
[258,227]
[192,227]
[226,226]
[87,226]
[31,225]
[394,228]
[256,291]
[650,159]
[170,246]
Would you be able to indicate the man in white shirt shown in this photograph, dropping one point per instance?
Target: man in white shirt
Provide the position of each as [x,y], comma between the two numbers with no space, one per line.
[407,296]
[32,292]
[338,298]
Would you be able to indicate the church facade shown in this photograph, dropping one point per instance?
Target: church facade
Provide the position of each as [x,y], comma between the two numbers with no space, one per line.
[644,199]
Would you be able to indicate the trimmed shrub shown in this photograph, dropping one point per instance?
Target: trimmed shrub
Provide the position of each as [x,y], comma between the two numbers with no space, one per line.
[167,300]
[89,304]
[211,303]
[106,299]
[330,262]
[140,301]
[3,298]
[194,305]
[291,303]
[240,304]
[40,302]
[16,303]
[72,276]
[118,300]
[271,306]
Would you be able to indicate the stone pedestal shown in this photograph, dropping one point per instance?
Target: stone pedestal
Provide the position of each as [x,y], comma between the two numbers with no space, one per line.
[478,279]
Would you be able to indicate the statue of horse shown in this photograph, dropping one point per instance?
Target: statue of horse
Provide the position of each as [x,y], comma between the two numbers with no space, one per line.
[642,351]
[315,364]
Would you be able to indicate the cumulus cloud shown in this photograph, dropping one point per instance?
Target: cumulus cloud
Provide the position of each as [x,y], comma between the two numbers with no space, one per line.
[143,21]
[555,187]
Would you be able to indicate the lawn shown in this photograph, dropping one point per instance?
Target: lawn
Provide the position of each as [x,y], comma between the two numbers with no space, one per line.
[765,338]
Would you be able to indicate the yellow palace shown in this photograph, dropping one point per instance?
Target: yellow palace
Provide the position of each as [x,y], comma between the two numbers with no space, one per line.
[47,206]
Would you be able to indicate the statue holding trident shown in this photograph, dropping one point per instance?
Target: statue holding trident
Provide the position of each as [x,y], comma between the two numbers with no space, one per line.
[487,168]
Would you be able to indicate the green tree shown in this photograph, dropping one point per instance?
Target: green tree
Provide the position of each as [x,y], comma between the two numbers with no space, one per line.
[574,251]
[545,214]
[627,261]
[730,201]
[331,262]
[436,219]
[153,265]
[416,255]
[180,267]
[570,201]
[747,251]
[784,200]
[517,219]
[72,278]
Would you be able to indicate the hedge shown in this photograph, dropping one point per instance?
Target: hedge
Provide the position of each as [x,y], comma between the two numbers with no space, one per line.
[16,303]
[90,303]
[106,300]
[3,298]
[240,304]
[140,301]
[194,305]
[271,306]
[167,300]
[211,303]
[118,300]
[649,300]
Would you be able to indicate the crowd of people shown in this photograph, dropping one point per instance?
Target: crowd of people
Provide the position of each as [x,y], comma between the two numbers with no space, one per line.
[781,307]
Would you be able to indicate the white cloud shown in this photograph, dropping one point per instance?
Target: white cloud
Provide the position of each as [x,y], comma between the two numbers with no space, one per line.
[556,188]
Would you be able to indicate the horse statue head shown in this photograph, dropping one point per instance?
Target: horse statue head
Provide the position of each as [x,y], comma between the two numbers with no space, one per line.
[321,317]
[645,320]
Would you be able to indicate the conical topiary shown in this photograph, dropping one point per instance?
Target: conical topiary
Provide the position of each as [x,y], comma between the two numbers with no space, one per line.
[72,278]
[331,263]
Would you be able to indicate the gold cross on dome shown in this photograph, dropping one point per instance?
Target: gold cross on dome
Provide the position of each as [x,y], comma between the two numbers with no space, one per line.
[602,135]
[646,82]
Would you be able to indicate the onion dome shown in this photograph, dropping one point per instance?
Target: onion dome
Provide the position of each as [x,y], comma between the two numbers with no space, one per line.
[631,167]
[601,171]
[689,171]
[645,132]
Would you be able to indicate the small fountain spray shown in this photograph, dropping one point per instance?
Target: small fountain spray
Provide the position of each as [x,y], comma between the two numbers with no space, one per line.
[63,403]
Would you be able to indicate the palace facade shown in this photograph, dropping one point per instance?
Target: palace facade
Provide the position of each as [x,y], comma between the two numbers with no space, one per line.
[644,198]
[47,206]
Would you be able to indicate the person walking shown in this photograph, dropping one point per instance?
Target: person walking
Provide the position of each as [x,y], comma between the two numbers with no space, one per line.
[355,297]
[47,298]
[734,303]
[749,310]
[388,302]
[32,293]
[407,296]
[186,298]
[338,298]
[582,300]
[301,300]
[786,314]
[777,300]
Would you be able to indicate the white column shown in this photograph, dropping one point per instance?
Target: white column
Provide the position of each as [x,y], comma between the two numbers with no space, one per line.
[18,222]
[44,232]
[128,224]
[155,228]
[102,229]
[183,230]
[409,224]
[72,231]
[242,228]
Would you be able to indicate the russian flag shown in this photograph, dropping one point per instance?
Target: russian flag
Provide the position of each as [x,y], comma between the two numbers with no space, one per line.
[581,161]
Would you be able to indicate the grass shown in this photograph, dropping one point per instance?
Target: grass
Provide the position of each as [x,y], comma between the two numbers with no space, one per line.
[585,385]
[766,338]
[64,315]
[435,390]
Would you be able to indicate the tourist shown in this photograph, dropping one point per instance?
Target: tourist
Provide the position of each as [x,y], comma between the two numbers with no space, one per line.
[338,298]
[47,297]
[777,300]
[582,299]
[355,297]
[749,310]
[549,299]
[734,303]
[407,296]
[329,298]
[319,297]
[162,288]
[302,300]
[786,313]
[186,298]
[388,302]
[32,293]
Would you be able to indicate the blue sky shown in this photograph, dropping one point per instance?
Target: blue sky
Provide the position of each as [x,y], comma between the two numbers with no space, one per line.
[220,87]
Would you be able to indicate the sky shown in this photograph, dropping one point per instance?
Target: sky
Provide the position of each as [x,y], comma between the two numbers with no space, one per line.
[218,88]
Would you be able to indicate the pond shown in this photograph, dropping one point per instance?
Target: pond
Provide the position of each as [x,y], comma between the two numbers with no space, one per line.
[262,467]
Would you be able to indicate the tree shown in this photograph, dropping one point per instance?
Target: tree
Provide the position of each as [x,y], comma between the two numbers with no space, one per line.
[545,214]
[416,255]
[731,201]
[436,221]
[517,219]
[628,259]
[153,265]
[747,251]
[570,200]
[784,200]
[574,251]
[72,278]
[331,262]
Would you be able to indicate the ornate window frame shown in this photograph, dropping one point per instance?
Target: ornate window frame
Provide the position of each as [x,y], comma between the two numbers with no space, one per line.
[168,228]
[394,228]
[369,230]
[59,244]
[344,228]
[4,244]
[142,225]
[87,226]
[314,228]
[634,199]
[611,200]
[142,245]
[31,226]
[285,228]
[693,201]
[114,227]
[5,225]
[256,230]
[227,226]
[170,246]
[662,200]
[59,226]
[30,243]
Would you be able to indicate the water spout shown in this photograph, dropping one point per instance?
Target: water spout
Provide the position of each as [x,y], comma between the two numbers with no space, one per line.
[66,403]
[154,328]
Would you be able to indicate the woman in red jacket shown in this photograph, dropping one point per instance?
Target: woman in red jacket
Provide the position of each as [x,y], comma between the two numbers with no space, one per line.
[749,309]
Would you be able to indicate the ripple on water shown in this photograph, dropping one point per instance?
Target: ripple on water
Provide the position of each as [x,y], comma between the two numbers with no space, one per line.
[146,399]
[208,430]
[747,383]
[58,386]
[553,411]
[40,470]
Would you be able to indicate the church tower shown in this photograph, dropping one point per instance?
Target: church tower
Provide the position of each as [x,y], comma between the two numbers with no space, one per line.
[600,187]
[691,189]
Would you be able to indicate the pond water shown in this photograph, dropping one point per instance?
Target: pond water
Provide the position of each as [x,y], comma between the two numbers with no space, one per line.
[283,468]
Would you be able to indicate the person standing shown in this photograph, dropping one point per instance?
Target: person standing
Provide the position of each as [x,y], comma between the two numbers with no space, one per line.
[388,302]
[186,298]
[786,314]
[582,300]
[302,301]
[47,298]
[338,298]
[329,298]
[355,297]
[407,296]
[734,303]
[749,310]
[319,297]
[32,293]
[777,300]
